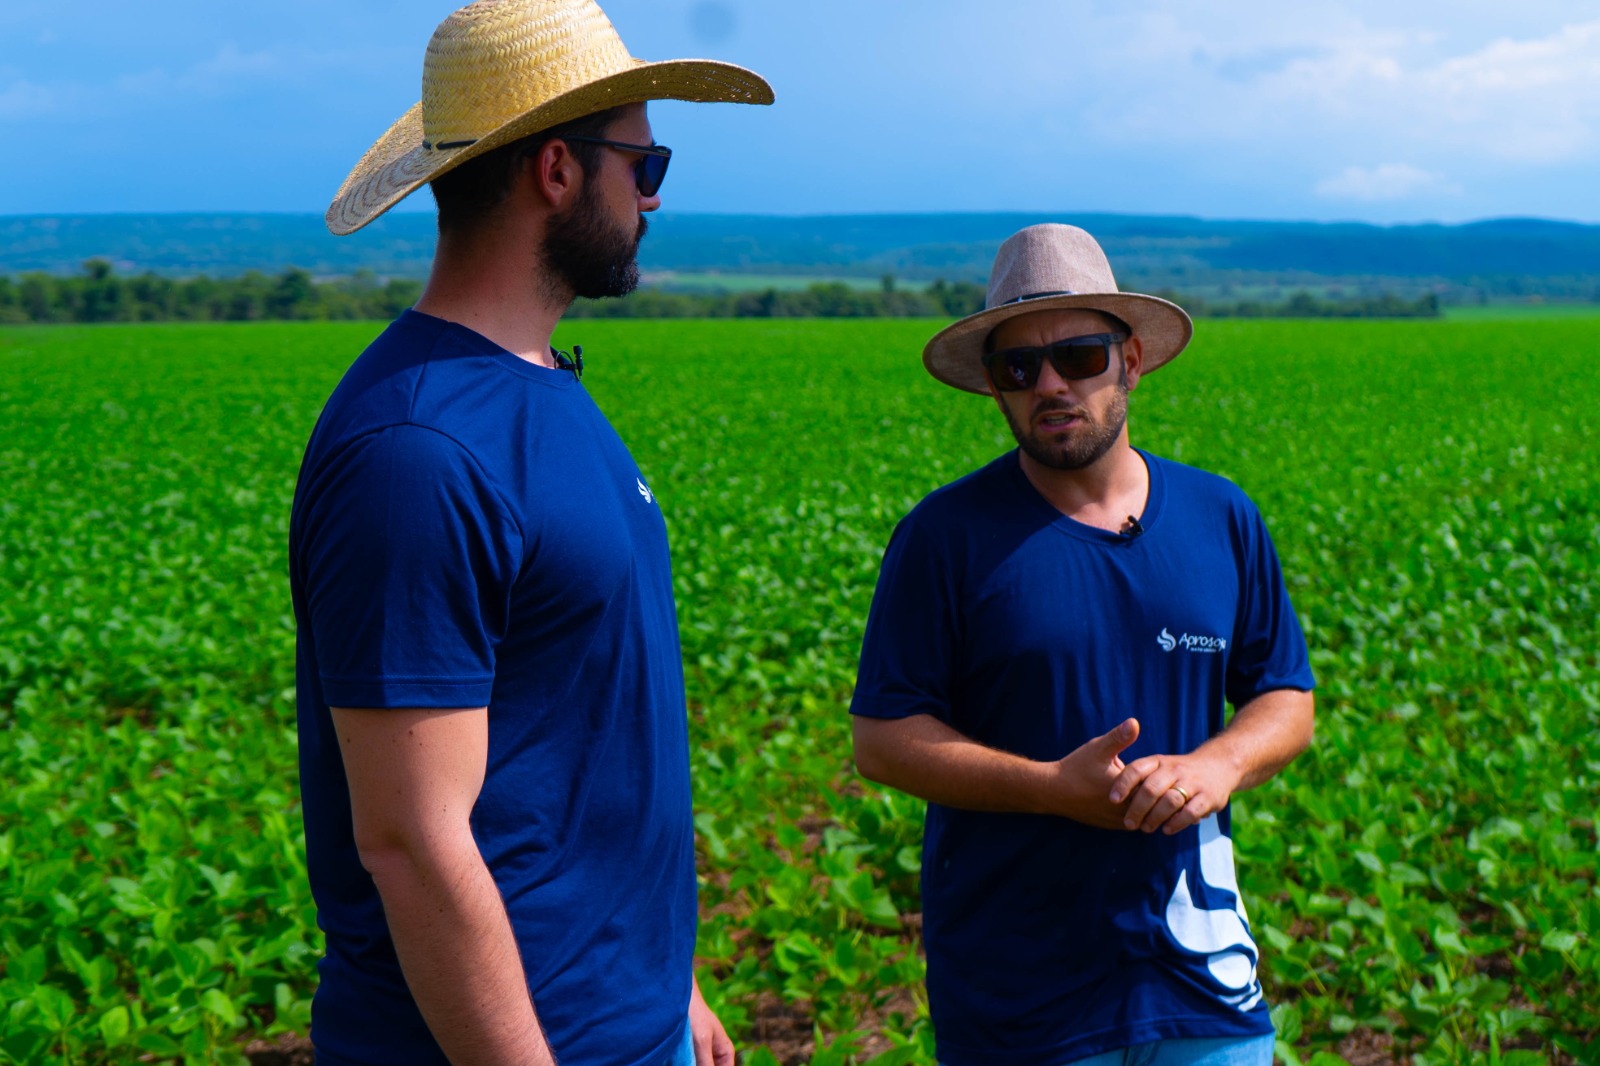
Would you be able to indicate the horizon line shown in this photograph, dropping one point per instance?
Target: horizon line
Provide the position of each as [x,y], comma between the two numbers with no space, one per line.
[1416,224]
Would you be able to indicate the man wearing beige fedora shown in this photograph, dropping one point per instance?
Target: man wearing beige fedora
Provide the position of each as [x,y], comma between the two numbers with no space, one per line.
[493,739]
[1050,646]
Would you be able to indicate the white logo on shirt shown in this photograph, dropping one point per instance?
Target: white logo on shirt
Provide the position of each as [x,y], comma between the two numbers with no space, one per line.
[1190,642]
[1222,935]
[644,490]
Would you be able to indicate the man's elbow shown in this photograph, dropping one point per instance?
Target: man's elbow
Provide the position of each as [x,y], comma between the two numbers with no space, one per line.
[1306,722]
[386,852]
[870,761]
[393,853]
[868,765]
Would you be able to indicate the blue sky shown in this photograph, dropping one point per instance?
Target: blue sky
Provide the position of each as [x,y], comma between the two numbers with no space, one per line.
[1351,109]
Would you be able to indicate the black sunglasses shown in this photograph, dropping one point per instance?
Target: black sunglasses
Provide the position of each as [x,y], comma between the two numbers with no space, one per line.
[1074,358]
[649,172]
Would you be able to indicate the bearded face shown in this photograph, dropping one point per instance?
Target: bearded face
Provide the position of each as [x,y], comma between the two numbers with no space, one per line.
[1064,434]
[594,256]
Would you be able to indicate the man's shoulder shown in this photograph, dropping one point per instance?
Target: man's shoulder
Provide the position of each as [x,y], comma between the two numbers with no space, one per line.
[373,428]
[1197,486]
[408,333]
[424,375]
[378,386]
[966,499]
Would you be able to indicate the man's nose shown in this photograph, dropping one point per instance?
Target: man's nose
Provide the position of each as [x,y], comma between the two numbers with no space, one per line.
[1051,383]
[649,203]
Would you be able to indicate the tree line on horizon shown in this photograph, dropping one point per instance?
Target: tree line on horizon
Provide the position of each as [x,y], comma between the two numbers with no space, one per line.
[99,294]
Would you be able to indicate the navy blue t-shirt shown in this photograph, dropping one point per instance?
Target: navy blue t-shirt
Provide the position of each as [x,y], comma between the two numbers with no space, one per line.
[469,531]
[1048,940]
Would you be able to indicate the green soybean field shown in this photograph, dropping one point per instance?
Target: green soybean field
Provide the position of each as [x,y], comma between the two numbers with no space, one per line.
[1423,881]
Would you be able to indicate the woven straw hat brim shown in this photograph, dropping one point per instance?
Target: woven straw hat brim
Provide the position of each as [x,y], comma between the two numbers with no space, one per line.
[954,354]
[398,163]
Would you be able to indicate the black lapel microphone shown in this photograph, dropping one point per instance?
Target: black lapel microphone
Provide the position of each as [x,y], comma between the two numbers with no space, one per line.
[1133,528]
[573,362]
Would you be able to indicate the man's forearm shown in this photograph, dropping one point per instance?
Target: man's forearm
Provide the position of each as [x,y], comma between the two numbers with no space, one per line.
[923,756]
[458,954]
[1264,736]
[926,758]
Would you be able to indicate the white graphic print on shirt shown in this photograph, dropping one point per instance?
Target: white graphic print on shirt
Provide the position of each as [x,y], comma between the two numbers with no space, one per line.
[1221,934]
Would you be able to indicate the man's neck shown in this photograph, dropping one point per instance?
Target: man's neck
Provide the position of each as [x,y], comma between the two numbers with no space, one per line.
[494,284]
[1104,494]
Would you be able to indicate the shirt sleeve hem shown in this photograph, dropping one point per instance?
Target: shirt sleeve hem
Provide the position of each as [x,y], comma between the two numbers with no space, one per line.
[1300,682]
[878,708]
[393,693]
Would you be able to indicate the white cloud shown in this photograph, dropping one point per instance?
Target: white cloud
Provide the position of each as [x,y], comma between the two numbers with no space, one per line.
[1317,85]
[1534,100]
[227,72]
[82,100]
[1538,99]
[223,72]
[23,99]
[1387,181]
[1563,59]
[230,63]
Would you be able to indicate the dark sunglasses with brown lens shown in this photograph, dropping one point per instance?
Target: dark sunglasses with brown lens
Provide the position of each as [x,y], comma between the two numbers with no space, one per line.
[1074,358]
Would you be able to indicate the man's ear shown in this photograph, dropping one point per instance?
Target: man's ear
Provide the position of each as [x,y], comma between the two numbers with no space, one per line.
[994,393]
[1133,360]
[552,175]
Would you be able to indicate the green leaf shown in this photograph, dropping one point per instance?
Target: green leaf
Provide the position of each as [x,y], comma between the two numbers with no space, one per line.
[27,968]
[1285,1052]
[879,909]
[218,1003]
[55,1006]
[1448,940]
[114,1025]
[1522,1057]
[1286,1020]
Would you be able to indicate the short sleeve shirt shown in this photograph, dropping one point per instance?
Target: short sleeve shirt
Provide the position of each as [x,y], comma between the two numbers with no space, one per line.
[469,531]
[1048,940]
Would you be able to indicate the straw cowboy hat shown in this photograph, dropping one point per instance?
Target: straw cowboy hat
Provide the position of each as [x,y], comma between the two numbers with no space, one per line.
[499,70]
[1043,268]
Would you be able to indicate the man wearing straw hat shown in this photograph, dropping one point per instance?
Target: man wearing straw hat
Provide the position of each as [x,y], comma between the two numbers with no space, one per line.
[493,738]
[1049,650]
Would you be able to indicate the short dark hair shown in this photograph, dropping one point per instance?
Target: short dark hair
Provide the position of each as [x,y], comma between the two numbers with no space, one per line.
[470,192]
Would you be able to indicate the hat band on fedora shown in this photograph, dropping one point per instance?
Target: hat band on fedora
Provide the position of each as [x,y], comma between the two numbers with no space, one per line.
[449,144]
[1038,296]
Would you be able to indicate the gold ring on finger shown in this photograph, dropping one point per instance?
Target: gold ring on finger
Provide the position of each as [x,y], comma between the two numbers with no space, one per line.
[1180,791]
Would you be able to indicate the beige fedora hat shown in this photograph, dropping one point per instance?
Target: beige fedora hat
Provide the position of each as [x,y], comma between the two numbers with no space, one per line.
[1042,268]
[499,70]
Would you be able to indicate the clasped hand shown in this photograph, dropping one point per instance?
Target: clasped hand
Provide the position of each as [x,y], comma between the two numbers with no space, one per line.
[1165,792]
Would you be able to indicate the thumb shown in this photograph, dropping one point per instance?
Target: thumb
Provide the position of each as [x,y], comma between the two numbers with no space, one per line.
[1116,741]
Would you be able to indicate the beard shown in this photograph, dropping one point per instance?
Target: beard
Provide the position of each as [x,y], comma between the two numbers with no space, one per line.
[1091,440]
[591,258]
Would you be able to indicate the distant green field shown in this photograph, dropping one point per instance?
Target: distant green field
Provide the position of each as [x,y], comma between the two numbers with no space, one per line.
[1423,881]
[675,281]
[1543,311]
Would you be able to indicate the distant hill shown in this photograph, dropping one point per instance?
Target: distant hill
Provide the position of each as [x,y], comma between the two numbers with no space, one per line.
[219,245]
[1498,257]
